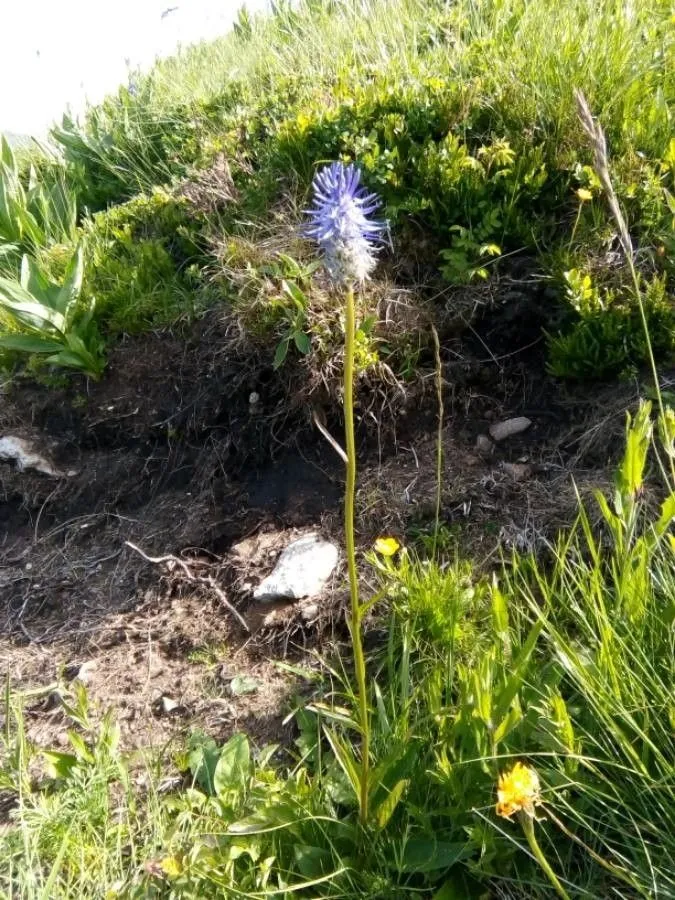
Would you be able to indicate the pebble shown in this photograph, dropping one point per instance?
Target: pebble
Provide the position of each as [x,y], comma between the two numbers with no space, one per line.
[509,427]
[302,570]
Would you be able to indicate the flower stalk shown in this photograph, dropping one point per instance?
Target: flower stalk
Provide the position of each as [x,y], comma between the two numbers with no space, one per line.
[350,544]
[527,824]
[340,221]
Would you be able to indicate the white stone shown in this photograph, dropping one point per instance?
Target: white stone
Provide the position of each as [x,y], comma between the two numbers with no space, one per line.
[302,570]
[26,457]
[502,430]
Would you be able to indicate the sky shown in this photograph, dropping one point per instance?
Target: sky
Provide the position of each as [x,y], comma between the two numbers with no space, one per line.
[55,53]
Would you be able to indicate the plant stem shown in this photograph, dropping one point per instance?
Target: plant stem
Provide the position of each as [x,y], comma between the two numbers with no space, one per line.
[350,489]
[527,823]
[439,436]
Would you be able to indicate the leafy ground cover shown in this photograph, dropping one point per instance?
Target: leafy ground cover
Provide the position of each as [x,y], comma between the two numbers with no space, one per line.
[170,341]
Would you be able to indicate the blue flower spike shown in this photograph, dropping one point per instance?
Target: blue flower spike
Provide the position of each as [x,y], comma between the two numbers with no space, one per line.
[341,223]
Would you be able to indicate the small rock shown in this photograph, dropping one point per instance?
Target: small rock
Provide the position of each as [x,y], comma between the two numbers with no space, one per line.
[243,684]
[502,430]
[80,671]
[517,471]
[25,456]
[167,706]
[484,444]
[302,570]
[309,612]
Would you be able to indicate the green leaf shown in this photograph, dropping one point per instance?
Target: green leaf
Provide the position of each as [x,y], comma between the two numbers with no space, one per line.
[72,284]
[429,855]
[461,886]
[507,724]
[26,343]
[233,768]
[26,309]
[345,758]
[203,757]
[367,325]
[302,342]
[312,862]
[291,290]
[81,749]
[500,611]
[59,765]
[385,810]
[280,353]
[519,670]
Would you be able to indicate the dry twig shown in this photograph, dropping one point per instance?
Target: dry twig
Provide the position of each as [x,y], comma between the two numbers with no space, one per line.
[208,581]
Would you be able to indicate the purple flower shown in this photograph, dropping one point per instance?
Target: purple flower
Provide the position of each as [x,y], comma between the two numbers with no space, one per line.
[340,223]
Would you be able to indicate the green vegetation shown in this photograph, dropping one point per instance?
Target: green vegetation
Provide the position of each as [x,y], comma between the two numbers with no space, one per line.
[461,116]
[184,193]
[566,663]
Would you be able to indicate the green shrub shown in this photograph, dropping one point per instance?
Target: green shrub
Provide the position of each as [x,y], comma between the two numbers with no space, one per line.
[51,320]
[143,270]
[37,208]
[607,335]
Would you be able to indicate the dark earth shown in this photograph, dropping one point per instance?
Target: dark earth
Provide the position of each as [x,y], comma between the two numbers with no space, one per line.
[168,453]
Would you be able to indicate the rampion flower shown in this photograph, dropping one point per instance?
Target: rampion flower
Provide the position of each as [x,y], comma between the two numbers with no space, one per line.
[341,223]
[518,790]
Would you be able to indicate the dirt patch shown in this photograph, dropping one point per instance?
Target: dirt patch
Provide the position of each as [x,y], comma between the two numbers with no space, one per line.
[168,453]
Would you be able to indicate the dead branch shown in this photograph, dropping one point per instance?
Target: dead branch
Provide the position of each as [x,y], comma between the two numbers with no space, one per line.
[190,576]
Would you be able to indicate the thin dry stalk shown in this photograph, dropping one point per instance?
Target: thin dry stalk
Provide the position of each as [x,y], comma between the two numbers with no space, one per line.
[601,159]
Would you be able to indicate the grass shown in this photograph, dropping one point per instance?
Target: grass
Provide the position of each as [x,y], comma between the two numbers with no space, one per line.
[184,192]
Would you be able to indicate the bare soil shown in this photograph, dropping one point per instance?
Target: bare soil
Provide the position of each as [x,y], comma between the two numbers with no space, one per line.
[168,454]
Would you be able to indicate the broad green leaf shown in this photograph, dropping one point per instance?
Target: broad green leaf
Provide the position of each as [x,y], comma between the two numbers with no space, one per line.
[385,810]
[507,724]
[461,886]
[312,862]
[203,758]
[428,855]
[667,515]
[72,284]
[638,435]
[79,746]
[59,765]
[519,670]
[26,343]
[302,342]
[291,290]
[26,309]
[345,758]
[233,768]
[292,266]
[280,354]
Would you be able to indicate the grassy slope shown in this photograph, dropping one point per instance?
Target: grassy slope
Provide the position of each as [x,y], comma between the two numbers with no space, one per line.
[414,91]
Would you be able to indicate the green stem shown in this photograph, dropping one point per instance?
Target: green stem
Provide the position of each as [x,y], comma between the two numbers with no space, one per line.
[527,823]
[439,437]
[350,490]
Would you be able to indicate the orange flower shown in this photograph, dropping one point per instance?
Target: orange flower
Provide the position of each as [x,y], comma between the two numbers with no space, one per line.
[518,790]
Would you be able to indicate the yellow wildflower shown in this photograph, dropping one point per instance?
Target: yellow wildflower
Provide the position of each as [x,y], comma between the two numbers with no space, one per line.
[518,790]
[584,195]
[387,546]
